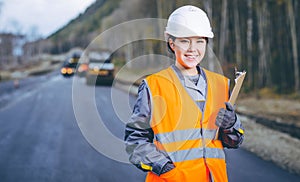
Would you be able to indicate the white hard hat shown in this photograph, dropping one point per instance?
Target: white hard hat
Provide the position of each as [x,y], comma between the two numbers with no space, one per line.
[189,21]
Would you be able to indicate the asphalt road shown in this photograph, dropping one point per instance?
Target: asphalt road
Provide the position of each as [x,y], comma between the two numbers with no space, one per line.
[43,138]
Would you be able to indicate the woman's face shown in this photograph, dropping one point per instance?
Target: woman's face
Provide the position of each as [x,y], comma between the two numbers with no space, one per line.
[188,51]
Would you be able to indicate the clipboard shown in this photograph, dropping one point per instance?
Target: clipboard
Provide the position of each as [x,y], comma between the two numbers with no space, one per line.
[240,76]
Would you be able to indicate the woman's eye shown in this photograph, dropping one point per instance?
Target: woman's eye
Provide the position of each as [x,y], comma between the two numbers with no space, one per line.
[184,41]
[201,41]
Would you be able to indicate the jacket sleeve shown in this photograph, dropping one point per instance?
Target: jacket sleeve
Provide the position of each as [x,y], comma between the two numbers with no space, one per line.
[234,136]
[139,137]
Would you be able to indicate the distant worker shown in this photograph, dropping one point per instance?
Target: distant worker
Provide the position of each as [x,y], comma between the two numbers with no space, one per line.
[172,130]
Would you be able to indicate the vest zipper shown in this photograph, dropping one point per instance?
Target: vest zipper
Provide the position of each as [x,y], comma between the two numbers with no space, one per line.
[202,117]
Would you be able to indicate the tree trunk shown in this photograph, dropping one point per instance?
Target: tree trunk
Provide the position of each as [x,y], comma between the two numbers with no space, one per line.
[261,41]
[208,8]
[223,31]
[238,44]
[128,55]
[291,17]
[267,43]
[160,27]
[249,43]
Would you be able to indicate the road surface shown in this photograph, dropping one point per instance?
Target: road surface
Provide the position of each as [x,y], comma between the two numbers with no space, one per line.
[40,139]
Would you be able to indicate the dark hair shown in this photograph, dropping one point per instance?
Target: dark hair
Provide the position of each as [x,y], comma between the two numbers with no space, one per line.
[168,44]
[173,38]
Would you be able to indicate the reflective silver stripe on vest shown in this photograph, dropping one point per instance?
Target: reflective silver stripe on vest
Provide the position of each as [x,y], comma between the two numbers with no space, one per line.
[209,134]
[196,153]
[178,135]
[182,135]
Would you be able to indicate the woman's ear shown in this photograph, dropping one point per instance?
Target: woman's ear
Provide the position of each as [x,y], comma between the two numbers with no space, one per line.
[171,43]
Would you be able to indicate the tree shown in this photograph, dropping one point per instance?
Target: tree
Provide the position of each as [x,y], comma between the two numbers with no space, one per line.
[291,17]
[263,45]
[238,41]
[249,42]
[208,8]
[223,30]
[33,34]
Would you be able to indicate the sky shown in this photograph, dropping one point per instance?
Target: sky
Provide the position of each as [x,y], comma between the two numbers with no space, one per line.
[39,18]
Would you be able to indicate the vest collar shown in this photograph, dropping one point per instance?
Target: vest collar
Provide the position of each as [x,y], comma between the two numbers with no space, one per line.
[186,82]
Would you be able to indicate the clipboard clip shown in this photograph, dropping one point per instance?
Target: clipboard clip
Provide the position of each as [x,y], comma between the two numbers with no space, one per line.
[238,73]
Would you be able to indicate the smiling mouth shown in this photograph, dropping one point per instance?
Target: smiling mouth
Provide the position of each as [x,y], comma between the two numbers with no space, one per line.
[191,57]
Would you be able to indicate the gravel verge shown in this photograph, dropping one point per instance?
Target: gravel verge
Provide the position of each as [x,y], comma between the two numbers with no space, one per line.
[272,145]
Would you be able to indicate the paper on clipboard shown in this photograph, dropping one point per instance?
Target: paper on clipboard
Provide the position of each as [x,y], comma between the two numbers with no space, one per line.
[237,87]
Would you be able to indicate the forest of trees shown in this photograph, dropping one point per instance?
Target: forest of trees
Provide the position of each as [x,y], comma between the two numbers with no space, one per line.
[261,37]
[258,36]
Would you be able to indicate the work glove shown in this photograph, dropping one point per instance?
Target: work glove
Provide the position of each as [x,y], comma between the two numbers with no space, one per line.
[226,117]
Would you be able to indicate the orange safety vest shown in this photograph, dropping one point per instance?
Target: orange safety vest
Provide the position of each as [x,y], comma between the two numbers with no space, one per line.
[184,132]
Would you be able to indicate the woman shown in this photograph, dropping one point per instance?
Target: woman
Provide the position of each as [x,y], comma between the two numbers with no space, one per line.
[172,131]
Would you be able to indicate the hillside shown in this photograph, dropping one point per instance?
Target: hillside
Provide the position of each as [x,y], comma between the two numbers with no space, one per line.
[260,37]
[81,30]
